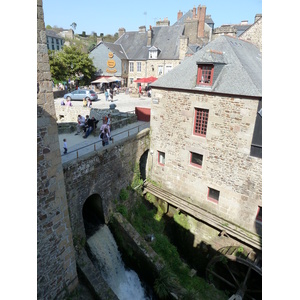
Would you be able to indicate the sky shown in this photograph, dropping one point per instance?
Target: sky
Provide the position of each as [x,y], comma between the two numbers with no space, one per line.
[97,16]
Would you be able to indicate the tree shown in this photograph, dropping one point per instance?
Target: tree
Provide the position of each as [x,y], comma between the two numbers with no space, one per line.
[74,25]
[71,63]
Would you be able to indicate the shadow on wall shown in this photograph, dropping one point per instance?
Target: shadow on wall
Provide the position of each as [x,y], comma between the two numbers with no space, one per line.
[92,213]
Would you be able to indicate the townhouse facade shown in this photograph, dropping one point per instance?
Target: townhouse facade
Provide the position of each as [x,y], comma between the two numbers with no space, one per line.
[206,138]
[156,51]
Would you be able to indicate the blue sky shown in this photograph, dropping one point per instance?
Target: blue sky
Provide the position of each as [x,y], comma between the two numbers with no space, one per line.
[107,17]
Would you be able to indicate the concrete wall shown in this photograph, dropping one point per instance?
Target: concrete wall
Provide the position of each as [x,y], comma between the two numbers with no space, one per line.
[227,165]
[104,173]
[56,266]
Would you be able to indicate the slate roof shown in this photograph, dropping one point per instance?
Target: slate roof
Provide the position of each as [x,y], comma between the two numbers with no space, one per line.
[165,38]
[52,33]
[189,14]
[237,69]
[116,49]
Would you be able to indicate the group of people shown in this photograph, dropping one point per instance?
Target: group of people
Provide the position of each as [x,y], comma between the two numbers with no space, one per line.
[88,124]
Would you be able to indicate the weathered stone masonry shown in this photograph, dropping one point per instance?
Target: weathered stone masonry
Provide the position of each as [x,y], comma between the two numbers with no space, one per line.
[227,165]
[56,266]
[103,173]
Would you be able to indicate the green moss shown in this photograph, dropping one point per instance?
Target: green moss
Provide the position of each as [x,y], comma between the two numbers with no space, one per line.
[182,220]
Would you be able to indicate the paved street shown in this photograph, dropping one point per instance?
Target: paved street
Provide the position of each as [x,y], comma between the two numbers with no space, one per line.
[124,103]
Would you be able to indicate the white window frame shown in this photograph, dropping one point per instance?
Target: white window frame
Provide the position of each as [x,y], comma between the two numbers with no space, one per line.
[160,70]
[131,66]
[168,68]
[139,66]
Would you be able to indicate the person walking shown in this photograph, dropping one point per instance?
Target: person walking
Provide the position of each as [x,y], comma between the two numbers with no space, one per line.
[105,137]
[106,95]
[65,146]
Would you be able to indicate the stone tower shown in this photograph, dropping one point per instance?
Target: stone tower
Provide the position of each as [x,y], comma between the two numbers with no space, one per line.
[56,264]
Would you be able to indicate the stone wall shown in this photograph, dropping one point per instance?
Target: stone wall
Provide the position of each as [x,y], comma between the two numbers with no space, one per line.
[103,173]
[227,166]
[254,34]
[56,266]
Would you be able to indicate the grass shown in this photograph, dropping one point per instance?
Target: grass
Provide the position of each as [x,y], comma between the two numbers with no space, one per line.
[175,277]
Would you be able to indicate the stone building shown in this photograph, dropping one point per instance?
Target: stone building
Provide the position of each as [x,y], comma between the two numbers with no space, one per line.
[110,60]
[156,51]
[206,131]
[253,34]
[54,40]
[244,30]
[56,265]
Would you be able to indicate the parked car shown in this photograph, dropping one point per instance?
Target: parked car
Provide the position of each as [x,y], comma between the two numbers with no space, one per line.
[80,94]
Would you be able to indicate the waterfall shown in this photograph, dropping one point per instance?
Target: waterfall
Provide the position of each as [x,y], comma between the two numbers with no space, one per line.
[125,283]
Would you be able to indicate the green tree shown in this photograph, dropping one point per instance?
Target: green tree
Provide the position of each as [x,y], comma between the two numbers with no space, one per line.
[71,63]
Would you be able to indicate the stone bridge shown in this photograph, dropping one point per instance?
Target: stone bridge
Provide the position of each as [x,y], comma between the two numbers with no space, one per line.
[93,181]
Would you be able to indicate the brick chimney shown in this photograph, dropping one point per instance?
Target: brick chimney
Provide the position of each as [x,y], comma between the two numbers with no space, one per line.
[194,13]
[121,31]
[179,15]
[149,36]
[201,17]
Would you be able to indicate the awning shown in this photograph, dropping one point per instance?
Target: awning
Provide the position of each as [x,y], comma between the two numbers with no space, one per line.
[145,80]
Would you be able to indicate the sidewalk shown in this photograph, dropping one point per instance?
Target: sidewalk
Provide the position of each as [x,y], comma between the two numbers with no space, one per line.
[83,146]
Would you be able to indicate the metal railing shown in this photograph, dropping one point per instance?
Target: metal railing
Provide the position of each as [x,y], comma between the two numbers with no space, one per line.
[98,144]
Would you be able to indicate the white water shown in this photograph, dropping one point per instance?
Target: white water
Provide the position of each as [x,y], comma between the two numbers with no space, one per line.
[125,284]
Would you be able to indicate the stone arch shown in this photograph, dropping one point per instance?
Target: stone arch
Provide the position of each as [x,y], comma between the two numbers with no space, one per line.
[143,164]
[92,213]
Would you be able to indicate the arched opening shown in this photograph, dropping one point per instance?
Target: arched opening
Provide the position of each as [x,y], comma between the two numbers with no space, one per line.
[143,165]
[92,213]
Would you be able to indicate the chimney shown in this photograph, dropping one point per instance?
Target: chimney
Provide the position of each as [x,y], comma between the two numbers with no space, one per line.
[194,12]
[149,36]
[179,15]
[257,17]
[183,44]
[201,17]
[121,31]
[142,29]
[165,22]
[245,22]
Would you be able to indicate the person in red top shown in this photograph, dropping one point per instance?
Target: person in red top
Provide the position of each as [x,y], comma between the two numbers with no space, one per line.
[140,89]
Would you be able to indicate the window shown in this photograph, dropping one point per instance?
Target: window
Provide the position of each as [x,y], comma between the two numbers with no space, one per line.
[57,47]
[213,195]
[205,74]
[201,119]
[196,159]
[168,68]
[259,214]
[131,67]
[139,66]
[131,80]
[160,70]
[161,158]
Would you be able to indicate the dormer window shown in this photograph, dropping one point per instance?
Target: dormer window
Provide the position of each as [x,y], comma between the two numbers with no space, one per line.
[153,52]
[205,74]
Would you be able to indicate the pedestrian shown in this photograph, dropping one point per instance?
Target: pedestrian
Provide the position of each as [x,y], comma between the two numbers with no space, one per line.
[105,137]
[106,95]
[65,146]
[140,89]
[80,124]
[109,125]
[89,103]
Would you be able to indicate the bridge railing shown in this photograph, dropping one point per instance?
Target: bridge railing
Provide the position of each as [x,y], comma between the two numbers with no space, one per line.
[98,144]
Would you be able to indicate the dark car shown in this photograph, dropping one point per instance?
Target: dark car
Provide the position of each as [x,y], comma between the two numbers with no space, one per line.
[80,94]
